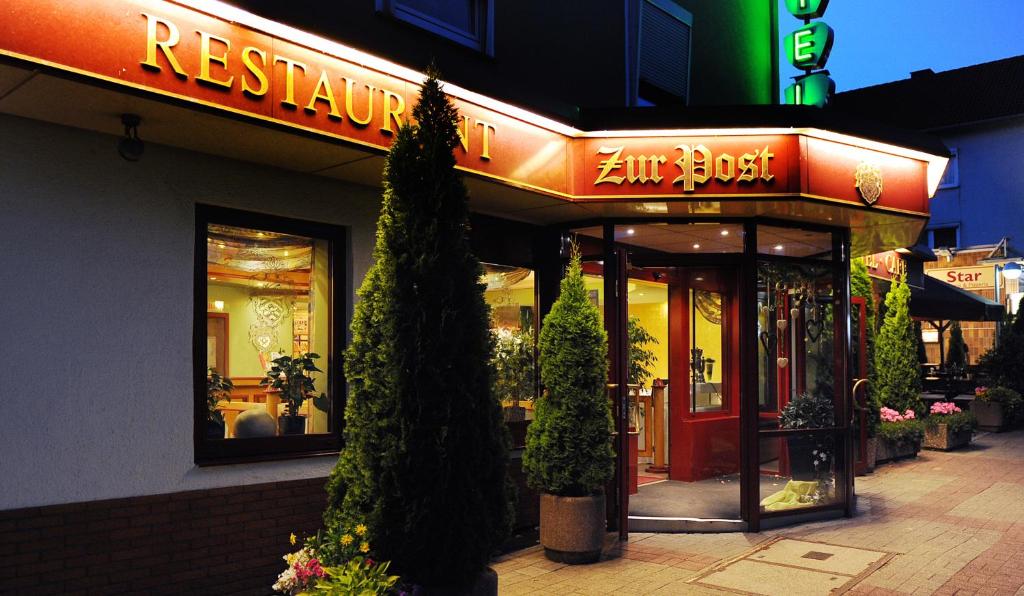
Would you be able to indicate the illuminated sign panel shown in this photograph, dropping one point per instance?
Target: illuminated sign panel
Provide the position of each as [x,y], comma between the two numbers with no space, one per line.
[807,9]
[259,72]
[968,278]
[808,49]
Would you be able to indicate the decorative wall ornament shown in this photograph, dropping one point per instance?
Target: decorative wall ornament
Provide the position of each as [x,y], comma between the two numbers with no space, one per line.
[868,180]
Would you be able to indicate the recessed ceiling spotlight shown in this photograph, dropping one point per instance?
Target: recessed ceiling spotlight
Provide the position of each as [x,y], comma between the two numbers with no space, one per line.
[699,278]
[725,232]
[696,246]
[631,231]
[778,247]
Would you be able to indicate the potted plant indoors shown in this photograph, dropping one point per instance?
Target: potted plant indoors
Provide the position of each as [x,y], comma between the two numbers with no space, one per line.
[569,456]
[948,427]
[809,454]
[290,377]
[514,370]
[218,389]
[996,409]
[899,435]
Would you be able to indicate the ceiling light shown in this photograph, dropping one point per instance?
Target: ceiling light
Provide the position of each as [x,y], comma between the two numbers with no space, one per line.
[221,245]
[631,231]
[218,304]
[699,278]
[213,278]
[725,232]
[778,247]
[696,246]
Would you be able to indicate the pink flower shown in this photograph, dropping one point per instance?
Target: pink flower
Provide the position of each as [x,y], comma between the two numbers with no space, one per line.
[908,415]
[979,391]
[944,408]
[890,415]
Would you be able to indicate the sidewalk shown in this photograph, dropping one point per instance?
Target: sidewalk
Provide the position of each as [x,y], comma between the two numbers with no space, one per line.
[954,522]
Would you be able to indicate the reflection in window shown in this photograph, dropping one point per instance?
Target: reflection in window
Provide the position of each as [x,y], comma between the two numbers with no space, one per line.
[267,307]
[706,357]
[510,294]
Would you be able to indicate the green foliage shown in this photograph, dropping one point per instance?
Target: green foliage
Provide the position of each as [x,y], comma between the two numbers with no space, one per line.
[1002,365]
[426,450]
[907,431]
[956,354]
[955,423]
[569,444]
[922,352]
[1012,402]
[356,577]
[808,411]
[218,389]
[513,363]
[898,376]
[640,358]
[291,377]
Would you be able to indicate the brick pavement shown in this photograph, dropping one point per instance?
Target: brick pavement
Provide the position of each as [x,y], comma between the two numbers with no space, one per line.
[955,521]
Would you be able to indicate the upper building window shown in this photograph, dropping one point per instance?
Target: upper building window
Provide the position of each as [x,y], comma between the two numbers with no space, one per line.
[468,22]
[664,53]
[944,237]
[267,343]
[951,177]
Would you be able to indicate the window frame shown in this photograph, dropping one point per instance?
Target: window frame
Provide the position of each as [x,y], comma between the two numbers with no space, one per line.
[953,169]
[646,93]
[943,228]
[482,42]
[227,451]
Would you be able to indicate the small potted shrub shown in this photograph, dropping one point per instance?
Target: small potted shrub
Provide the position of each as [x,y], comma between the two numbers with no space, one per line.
[810,455]
[996,408]
[948,427]
[569,456]
[218,389]
[290,377]
[899,435]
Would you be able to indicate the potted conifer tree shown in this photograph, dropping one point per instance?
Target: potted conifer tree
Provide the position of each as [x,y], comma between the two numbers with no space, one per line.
[896,370]
[569,456]
[218,389]
[426,450]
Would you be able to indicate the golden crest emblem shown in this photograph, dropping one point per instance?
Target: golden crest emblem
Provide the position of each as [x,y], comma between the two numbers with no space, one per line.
[869,182]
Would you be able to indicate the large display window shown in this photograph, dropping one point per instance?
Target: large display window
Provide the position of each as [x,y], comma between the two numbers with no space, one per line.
[267,350]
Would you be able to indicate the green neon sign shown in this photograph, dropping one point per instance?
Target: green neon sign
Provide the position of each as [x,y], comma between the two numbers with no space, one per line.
[811,90]
[808,47]
[807,9]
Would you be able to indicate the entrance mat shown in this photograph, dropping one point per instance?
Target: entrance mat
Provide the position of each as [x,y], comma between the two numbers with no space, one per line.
[791,567]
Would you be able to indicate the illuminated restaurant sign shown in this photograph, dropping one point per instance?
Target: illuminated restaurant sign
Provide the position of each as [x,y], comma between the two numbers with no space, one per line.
[200,52]
[968,278]
[807,49]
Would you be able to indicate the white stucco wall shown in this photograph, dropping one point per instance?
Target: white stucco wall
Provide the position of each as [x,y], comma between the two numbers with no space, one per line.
[96,271]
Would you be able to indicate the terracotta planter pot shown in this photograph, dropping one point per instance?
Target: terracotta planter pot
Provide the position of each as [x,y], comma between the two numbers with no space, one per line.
[990,415]
[572,529]
[940,438]
[891,451]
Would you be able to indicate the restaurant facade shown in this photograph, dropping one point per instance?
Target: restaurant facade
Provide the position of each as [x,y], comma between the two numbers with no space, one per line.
[192,186]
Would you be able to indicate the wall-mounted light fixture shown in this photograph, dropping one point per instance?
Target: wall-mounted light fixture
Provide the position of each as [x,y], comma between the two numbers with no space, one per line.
[130,147]
[1011,270]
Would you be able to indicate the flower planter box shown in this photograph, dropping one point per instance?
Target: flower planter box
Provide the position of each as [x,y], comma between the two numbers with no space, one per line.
[940,438]
[990,415]
[892,451]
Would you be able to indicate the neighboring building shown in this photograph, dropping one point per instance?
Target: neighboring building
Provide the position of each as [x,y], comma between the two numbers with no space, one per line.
[241,227]
[976,214]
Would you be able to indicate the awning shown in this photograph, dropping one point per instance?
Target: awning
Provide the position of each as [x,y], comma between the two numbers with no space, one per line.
[937,300]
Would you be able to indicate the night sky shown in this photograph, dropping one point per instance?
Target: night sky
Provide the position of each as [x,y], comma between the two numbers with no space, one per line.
[878,41]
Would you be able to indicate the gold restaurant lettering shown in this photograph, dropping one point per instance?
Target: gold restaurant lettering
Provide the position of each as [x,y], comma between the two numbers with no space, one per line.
[697,165]
[215,54]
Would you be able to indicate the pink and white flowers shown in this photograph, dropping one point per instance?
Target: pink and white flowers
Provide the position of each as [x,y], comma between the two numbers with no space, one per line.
[303,570]
[945,408]
[890,415]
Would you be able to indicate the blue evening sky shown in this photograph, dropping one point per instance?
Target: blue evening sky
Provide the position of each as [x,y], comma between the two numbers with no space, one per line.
[878,41]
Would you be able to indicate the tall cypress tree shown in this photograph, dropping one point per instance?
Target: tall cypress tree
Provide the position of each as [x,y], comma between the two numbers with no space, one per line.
[896,367]
[425,457]
[956,355]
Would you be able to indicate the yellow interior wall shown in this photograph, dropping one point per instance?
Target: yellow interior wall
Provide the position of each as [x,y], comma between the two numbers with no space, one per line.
[654,318]
[319,326]
[243,357]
